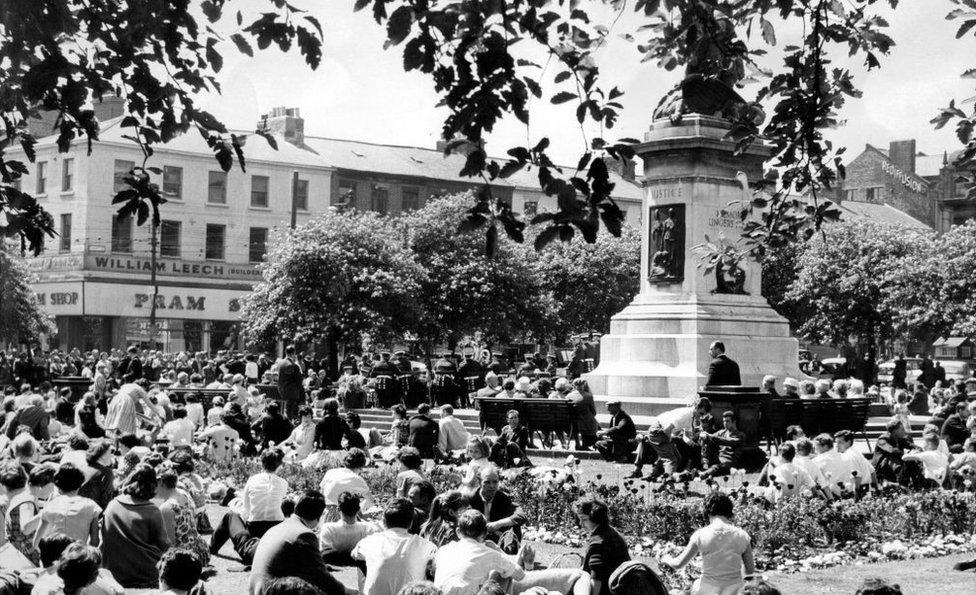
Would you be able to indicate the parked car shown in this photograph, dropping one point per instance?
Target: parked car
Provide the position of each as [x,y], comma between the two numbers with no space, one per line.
[913,365]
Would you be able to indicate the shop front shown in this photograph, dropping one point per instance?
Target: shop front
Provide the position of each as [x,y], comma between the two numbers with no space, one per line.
[102,315]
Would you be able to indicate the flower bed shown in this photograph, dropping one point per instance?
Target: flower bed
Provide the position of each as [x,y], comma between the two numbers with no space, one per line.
[792,535]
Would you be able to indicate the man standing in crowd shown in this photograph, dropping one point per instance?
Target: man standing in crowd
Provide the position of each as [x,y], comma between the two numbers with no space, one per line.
[617,442]
[290,382]
[424,432]
[723,371]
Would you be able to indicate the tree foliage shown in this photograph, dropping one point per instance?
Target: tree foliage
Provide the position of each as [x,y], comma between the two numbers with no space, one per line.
[844,281]
[589,283]
[338,277]
[464,290]
[62,55]
[21,317]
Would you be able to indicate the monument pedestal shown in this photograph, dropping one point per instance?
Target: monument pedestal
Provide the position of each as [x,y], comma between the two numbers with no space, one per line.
[656,354]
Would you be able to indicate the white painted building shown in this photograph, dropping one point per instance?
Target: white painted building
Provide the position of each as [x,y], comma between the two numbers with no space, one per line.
[94,278]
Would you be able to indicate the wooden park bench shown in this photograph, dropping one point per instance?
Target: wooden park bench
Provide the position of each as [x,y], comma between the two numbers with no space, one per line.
[817,416]
[543,416]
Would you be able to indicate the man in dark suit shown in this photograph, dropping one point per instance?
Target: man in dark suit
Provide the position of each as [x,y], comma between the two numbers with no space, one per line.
[291,548]
[424,432]
[617,442]
[722,371]
[505,518]
[290,382]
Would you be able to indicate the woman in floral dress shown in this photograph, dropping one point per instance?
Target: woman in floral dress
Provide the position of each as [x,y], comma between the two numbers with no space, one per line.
[177,508]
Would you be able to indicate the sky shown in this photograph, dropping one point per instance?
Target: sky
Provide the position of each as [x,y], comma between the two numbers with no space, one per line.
[361,92]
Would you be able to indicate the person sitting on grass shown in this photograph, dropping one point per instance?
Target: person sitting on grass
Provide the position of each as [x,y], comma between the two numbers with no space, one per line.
[393,557]
[338,538]
[788,478]
[179,572]
[511,447]
[606,549]
[411,470]
[723,448]
[861,469]
[463,566]
[347,478]
[505,516]
[52,546]
[935,464]
[725,550]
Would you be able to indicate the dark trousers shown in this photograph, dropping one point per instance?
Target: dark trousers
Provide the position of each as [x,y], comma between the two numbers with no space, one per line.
[615,450]
[505,455]
[244,536]
[343,559]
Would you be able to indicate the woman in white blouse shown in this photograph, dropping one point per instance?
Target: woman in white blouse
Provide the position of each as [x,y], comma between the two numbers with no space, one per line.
[263,494]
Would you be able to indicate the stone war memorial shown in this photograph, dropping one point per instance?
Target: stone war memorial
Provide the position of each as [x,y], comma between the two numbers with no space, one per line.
[656,354]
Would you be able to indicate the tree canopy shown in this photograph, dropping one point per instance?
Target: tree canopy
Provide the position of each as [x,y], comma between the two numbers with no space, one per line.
[21,317]
[465,291]
[62,54]
[335,277]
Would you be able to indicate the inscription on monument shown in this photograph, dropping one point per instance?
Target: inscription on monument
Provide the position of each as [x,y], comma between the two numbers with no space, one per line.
[666,245]
[665,192]
[724,219]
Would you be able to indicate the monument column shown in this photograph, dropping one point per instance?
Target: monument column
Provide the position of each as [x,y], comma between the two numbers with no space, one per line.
[656,354]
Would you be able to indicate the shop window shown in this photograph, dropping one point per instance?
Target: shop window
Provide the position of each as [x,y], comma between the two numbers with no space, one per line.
[169,238]
[257,244]
[65,233]
[301,195]
[379,199]
[411,199]
[121,234]
[67,174]
[215,241]
[41,177]
[173,182]
[217,187]
[259,191]
[122,169]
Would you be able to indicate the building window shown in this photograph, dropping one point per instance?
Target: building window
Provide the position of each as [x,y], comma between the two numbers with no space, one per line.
[346,196]
[122,169]
[379,199]
[215,241]
[169,238]
[67,174]
[217,188]
[65,233]
[849,194]
[259,191]
[873,194]
[41,177]
[530,209]
[257,244]
[411,199]
[301,195]
[121,234]
[173,182]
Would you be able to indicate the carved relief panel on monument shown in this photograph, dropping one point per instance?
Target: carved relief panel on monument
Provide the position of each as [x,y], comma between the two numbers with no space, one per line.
[666,243]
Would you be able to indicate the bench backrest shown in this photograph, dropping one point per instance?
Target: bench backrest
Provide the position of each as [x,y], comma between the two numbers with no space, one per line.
[818,415]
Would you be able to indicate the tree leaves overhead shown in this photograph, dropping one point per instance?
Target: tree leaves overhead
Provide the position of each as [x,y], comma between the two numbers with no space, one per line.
[158,67]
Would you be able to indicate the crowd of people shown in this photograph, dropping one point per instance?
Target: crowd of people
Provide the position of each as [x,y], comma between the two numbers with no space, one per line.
[105,491]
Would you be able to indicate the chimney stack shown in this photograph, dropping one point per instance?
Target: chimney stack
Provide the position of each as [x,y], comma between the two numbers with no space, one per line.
[902,154]
[462,149]
[286,121]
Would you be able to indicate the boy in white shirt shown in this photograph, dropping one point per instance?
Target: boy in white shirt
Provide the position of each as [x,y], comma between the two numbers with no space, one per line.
[788,479]
[935,463]
[861,468]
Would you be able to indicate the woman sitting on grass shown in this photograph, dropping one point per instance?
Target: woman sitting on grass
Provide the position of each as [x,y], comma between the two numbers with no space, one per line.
[724,549]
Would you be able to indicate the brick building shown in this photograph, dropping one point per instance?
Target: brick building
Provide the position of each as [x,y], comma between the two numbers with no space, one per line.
[924,187]
[94,277]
